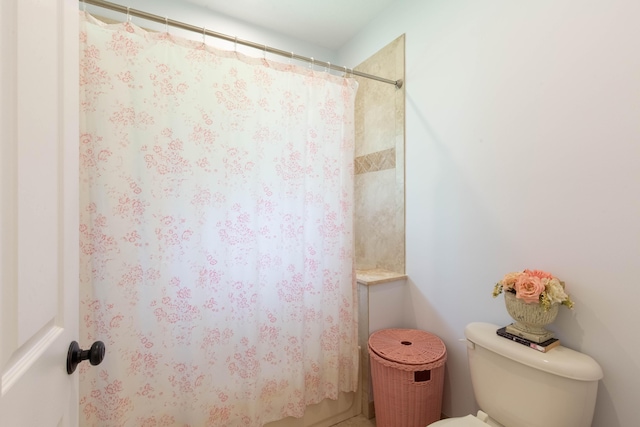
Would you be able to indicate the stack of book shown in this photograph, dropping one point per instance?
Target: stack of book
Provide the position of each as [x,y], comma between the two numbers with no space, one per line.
[540,346]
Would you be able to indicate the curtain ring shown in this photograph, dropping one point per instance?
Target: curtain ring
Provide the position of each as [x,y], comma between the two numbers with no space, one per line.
[235,45]
[166,24]
[128,14]
[204,35]
[264,54]
[313,61]
[329,68]
[345,71]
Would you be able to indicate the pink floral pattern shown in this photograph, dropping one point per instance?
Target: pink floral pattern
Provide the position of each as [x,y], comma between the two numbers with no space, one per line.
[216,233]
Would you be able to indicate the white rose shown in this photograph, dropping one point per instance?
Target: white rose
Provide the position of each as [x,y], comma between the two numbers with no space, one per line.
[555,291]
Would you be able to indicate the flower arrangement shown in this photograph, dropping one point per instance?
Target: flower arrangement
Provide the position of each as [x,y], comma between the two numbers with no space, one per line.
[534,286]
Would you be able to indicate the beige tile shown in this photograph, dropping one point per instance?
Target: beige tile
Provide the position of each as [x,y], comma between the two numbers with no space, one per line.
[358,166]
[376,276]
[372,162]
[379,106]
[379,221]
[388,159]
[380,177]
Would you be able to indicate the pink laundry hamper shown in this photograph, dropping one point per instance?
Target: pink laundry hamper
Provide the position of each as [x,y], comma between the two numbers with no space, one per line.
[407,372]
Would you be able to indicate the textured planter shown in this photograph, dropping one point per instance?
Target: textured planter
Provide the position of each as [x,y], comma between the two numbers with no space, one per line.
[530,319]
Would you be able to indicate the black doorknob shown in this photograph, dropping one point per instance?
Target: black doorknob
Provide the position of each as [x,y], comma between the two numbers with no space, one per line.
[76,355]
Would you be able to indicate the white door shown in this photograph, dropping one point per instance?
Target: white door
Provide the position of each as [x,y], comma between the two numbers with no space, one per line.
[38,211]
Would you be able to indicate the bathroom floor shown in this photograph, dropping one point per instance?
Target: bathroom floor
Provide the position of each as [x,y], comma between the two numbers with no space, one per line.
[359,421]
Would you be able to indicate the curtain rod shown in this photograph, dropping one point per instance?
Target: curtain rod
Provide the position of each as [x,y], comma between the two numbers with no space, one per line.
[201,30]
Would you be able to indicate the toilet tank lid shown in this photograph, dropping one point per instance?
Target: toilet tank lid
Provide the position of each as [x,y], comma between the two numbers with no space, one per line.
[561,361]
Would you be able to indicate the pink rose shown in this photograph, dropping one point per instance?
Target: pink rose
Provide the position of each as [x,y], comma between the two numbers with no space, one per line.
[509,280]
[528,288]
[538,273]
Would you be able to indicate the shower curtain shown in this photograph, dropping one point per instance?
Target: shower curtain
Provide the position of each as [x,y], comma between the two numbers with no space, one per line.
[216,233]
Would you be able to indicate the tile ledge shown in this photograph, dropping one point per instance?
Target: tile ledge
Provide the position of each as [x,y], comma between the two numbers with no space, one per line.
[378,275]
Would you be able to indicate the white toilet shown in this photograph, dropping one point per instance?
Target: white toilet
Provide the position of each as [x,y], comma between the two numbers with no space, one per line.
[516,386]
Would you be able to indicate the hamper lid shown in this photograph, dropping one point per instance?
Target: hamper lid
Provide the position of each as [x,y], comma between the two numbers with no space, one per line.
[407,346]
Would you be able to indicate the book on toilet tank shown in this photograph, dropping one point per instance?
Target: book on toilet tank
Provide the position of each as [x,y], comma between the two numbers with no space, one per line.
[543,346]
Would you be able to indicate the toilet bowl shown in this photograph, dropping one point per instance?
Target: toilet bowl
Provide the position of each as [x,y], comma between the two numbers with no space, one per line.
[480,420]
[562,382]
[468,421]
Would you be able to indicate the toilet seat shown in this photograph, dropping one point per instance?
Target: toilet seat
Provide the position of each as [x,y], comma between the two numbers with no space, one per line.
[468,421]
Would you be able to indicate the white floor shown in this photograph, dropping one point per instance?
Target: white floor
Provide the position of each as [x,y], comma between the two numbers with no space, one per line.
[359,421]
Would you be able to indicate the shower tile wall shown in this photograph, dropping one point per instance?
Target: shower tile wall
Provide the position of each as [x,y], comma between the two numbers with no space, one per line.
[379,163]
[379,193]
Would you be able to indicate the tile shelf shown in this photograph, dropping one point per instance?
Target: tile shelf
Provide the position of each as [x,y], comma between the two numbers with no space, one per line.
[377,275]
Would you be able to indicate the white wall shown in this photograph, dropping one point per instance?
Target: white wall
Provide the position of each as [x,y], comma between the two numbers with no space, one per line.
[523,142]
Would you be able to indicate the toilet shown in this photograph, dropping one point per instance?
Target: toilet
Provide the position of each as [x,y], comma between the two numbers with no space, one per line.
[516,386]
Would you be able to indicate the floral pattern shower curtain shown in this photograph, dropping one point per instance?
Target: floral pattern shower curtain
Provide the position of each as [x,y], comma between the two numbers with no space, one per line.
[216,233]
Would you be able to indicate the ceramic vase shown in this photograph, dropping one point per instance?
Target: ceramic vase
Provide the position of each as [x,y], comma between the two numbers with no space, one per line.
[530,319]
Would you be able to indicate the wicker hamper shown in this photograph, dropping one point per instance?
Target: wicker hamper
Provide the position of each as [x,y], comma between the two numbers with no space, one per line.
[407,371]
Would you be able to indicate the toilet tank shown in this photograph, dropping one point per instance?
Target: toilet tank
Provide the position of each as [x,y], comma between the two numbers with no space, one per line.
[521,387]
